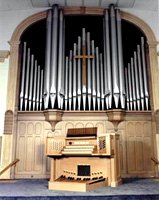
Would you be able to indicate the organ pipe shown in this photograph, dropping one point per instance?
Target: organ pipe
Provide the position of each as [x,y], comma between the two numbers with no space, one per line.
[66,82]
[38,88]
[35,84]
[127,89]
[93,76]
[54,43]
[102,81]
[27,79]
[70,80]
[60,60]
[130,87]
[89,81]
[120,60]
[47,61]
[108,60]
[144,72]
[31,82]
[98,78]
[74,77]
[79,81]
[114,56]
[140,77]
[133,83]
[41,88]
[137,81]
[23,76]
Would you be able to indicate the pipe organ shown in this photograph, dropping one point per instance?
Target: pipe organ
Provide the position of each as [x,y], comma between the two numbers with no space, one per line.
[89,77]
[31,89]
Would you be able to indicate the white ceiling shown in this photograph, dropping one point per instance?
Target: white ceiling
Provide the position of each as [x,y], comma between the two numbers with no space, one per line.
[6,5]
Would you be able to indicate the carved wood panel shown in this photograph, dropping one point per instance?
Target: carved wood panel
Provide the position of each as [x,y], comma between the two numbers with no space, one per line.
[30,150]
[139,147]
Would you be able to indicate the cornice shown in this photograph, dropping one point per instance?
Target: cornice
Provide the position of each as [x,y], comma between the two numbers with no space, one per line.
[3,54]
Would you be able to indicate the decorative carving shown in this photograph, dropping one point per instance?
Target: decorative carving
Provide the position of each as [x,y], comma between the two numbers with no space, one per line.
[8,122]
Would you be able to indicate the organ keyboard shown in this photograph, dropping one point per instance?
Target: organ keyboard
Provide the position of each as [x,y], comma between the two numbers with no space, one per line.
[84,158]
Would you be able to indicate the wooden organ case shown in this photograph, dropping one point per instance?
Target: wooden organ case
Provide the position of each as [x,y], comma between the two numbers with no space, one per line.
[82,161]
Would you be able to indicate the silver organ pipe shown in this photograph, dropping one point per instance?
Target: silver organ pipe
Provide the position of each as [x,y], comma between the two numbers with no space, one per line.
[60,61]
[66,82]
[127,89]
[23,76]
[89,91]
[74,77]
[83,69]
[137,81]
[27,79]
[114,56]
[140,77]
[63,64]
[79,81]
[47,61]
[41,88]
[102,81]
[35,84]
[133,83]
[93,76]
[86,78]
[98,78]
[38,89]
[54,43]
[31,82]
[108,76]
[120,60]
[70,81]
[144,73]
[130,86]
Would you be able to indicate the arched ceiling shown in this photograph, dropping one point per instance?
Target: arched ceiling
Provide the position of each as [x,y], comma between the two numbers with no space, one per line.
[6,5]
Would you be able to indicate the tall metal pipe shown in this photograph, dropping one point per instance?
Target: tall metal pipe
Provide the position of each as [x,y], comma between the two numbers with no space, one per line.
[105,66]
[140,77]
[66,82]
[144,73]
[89,82]
[70,80]
[54,44]
[60,59]
[130,87]
[101,81]
[38,89]
[63,70]
[79,79]
[41,88]
[137,81]
[47,69]
[94,89]
[27,79]
[74,77]
[133,83]
[35,84]
[31,82]
[127,89]
[120,60]
[114,56]
[98,77]
[23,76]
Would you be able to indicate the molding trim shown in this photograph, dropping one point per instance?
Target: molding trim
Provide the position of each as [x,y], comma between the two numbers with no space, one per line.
[3,54]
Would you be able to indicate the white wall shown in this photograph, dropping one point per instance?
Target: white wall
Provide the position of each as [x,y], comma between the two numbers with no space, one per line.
[3,91]
[9,20]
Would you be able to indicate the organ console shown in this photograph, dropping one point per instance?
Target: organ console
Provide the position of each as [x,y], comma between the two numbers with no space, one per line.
[83,160]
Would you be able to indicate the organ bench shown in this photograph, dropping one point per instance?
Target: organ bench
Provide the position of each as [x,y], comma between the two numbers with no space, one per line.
[83,161]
